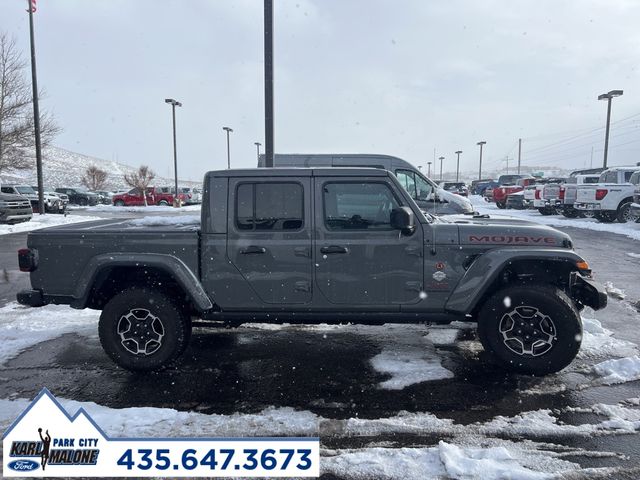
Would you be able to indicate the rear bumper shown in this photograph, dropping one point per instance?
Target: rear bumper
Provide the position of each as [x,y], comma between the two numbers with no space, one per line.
[31,298]
[588,292]
[587,206]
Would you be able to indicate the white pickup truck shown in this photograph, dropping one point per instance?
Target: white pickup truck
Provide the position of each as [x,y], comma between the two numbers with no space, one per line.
[569,192]
[610,199]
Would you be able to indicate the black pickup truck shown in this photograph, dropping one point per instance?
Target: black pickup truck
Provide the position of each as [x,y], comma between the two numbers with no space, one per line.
[316,245]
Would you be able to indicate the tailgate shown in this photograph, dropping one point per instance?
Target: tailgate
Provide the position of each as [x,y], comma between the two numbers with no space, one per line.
[586,194]
[551,192]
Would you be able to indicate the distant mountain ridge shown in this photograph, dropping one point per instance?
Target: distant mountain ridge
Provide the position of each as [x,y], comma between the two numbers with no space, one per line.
[64,168]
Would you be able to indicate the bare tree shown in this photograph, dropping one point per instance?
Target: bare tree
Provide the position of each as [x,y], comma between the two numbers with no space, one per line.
[94,178]
[17,137]
[140,179]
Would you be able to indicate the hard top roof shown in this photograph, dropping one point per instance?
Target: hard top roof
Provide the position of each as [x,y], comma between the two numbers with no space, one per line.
[300,172]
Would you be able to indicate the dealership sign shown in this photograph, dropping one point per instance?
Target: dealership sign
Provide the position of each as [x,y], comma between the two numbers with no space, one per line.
[46,441]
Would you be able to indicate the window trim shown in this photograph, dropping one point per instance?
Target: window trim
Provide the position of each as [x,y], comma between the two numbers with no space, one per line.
[347,182]
[254,183]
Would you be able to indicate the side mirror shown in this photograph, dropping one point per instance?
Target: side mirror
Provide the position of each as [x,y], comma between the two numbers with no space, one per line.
[402,219]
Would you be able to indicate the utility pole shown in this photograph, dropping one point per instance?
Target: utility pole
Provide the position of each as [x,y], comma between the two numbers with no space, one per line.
[591,162]
[458,164]
[257,144]
[174,104]
[507,160]
[228,130]
[268,83]
[441,159]
[36,109]
[429,169]
[519,154]
[608,96]
[480,169]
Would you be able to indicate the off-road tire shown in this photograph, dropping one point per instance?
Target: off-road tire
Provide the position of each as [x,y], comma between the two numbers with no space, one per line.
[174,323]
[551,304]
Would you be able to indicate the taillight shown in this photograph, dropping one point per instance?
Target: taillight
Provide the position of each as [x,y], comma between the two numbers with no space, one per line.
[27,259]
[537,194]
[601,193]
[561,195]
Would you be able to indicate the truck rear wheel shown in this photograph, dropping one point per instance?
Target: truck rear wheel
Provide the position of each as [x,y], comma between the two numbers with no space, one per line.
[533,329]
[547,210]
[143,329]
[605,217]
[624,213]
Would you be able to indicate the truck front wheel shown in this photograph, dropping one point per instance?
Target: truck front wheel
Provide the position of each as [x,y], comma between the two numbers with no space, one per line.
[533,329]
[143,329]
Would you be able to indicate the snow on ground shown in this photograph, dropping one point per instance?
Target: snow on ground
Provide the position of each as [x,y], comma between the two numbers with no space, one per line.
[22,327]
[159,221]
[613,291]
[150,209]
[631,230]
[618,370]
[634,255]
[44,221]
[599,342]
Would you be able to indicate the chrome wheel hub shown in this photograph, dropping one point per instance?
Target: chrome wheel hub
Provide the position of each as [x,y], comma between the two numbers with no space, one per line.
[527,332]
[140,332]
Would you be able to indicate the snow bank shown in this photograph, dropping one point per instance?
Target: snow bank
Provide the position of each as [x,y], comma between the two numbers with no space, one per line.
[598,342]
[44,221]
[619,370]
[22,327]
[614,292]
[631,230]
[158,221]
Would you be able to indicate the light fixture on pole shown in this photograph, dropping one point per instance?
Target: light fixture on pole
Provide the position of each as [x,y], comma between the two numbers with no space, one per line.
[480,168]
[174,104]
[608,96]
[257,144]
[228,130]
[429,169]
[441,159]
[458,164]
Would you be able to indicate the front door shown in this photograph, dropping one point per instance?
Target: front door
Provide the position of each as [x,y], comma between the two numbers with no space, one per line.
[359,258]
[269,237]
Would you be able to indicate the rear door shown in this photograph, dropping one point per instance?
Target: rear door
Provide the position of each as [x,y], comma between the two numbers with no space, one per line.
[359,258]
[269,237]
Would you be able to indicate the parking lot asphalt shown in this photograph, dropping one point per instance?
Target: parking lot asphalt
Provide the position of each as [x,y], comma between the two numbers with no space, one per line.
[329,371]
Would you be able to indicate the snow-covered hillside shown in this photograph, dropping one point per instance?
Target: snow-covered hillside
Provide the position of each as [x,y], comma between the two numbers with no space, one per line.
[63,168]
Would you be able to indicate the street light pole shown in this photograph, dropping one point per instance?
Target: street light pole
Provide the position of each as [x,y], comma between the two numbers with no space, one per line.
[174,104]
[268,84]
[257,144]
[441,159]
[480,168]
[36,111]
[228,130]
[429,169]
[608,96]
[458,164]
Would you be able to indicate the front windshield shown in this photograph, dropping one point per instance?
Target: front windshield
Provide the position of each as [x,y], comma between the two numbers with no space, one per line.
[26,190]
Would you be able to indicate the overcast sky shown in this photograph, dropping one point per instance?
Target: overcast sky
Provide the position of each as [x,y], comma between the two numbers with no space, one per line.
[351,76]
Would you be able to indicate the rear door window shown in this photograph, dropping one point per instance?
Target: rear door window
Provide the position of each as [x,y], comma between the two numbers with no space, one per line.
[269,206]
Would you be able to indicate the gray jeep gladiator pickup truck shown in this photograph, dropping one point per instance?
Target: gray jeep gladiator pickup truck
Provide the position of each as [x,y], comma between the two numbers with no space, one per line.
[316,245]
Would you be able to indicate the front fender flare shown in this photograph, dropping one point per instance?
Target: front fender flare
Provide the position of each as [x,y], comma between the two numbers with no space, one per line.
[485,269]
[168,263]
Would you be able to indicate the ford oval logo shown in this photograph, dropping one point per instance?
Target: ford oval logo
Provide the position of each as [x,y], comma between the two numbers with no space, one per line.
[23,465]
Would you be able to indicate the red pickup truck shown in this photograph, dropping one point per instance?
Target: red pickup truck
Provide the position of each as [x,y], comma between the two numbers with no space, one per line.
[500,193]
[134,198]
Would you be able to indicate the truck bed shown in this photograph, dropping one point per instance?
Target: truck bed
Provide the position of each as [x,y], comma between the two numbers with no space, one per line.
[71,248]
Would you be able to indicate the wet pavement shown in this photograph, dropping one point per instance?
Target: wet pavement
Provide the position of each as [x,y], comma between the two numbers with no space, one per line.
[328,371]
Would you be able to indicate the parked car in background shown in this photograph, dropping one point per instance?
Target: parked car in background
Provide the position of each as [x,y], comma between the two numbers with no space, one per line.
[517,201]
[549,195]
[635,206]
[104,197]
[610,199]
[53,202]
[79,196]
[571,191]
[479,186]
[197,195]
[23,190]
[459,188]
[506,180]
[14,208]
[500,193]
[134,198]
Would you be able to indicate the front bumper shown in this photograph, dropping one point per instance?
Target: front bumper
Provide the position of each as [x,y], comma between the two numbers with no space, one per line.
[587,291]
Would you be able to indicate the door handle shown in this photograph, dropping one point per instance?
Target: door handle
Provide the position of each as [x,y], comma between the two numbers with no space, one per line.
[334,249]
[252,250]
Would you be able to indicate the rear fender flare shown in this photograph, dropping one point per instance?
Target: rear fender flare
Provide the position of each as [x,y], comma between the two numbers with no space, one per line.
[167,263]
